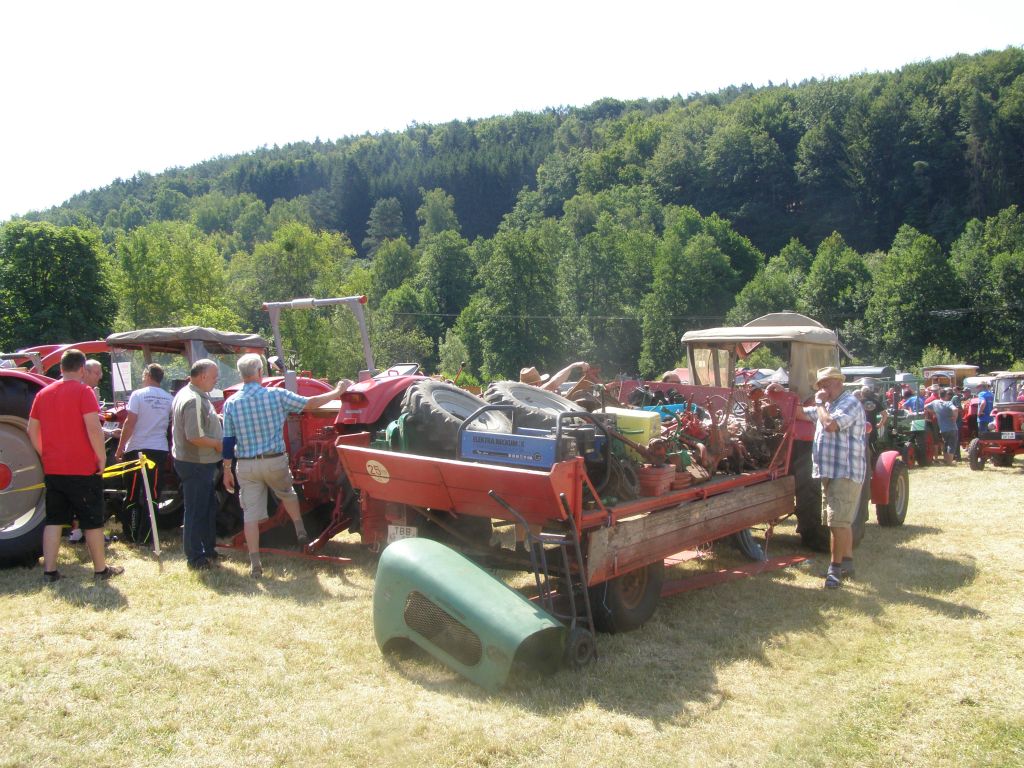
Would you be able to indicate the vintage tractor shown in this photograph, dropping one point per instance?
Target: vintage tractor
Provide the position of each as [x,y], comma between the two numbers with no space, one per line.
[807,346]
[22,500]
[1004,438]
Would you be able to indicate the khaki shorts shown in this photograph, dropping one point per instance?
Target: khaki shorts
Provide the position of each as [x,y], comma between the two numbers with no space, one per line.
[842,498]
[255,476]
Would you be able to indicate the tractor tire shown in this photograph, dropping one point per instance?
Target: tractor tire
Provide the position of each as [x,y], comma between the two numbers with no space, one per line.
[435,412]
[626,602]
[974,458]
[1002,460]
[923,448]
[747,545]
[23,512]
[860,522]
[895,512]
[813,534]
[534,407]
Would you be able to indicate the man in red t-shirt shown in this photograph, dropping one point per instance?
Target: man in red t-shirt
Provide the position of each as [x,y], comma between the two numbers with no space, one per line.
[64,428]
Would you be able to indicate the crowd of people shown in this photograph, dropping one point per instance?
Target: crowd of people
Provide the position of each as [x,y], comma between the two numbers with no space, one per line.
[247,443]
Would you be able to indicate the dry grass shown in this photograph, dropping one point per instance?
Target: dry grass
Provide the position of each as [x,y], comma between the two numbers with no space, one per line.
[919,662]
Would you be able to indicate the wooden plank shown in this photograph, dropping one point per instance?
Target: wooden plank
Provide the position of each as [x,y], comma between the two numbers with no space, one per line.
[632,543]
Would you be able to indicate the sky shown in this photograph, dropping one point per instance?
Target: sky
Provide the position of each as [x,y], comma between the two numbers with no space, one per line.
[101,90]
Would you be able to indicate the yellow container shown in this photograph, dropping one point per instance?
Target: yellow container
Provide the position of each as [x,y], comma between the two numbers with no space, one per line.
[639,426]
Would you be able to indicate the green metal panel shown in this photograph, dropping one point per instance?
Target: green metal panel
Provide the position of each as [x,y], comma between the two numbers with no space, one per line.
[443,602]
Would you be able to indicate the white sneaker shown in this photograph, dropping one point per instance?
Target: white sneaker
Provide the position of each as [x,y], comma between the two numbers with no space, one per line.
[76,535]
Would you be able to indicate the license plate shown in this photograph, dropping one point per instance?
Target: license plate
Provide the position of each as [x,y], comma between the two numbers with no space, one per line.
[397,532]
[1007,435]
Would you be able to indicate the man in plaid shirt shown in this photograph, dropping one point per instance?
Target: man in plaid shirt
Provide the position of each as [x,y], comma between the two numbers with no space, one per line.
[254,421]
[839,456]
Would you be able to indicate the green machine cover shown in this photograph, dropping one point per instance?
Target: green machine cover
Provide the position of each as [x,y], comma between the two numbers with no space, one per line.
[446,604]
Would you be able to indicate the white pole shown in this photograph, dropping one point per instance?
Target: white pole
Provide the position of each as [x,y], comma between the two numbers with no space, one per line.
[149,502]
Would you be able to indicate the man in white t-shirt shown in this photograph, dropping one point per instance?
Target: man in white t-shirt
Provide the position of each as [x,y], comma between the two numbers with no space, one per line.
[144,431]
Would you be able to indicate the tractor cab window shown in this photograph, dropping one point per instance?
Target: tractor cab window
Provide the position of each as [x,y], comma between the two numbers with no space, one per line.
[711,367]
[1007,390]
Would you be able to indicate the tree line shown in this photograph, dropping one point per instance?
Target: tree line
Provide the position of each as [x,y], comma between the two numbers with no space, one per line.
[884,205]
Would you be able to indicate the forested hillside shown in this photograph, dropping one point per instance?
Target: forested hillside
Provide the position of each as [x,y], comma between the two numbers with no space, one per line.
[885,205]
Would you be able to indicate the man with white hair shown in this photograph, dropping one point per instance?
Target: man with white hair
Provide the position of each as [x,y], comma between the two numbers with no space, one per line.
[92,375]
[254,421]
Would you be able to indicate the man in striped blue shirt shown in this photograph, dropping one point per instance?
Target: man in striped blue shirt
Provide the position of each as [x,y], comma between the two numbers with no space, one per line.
[254,420]
[839,456]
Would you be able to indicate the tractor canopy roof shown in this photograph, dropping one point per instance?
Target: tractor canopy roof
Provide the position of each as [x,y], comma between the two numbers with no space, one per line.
[174,339]
[777,326]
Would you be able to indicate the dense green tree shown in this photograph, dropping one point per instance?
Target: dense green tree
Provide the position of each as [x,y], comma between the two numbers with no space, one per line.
[386,223]
[296,263]
[436,214]
[54,285]
[837,285]
[169,273]
[988,261]
[397,333]
[446,274]
[516,322]
[912,287]
[393,264]
[691,289]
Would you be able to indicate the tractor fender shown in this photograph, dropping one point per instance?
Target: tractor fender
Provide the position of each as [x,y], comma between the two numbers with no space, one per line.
[378,394]
[32,378]
[880,476]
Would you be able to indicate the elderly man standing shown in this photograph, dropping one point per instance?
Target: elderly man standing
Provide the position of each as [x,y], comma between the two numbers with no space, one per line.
[840,460]
[64,428]
[196,444]
[254,421]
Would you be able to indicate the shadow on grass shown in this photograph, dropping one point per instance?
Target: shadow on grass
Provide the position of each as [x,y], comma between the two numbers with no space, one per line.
[76,587]
[668,670]
[295,579]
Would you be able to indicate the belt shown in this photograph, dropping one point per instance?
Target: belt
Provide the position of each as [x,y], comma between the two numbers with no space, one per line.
[262,456]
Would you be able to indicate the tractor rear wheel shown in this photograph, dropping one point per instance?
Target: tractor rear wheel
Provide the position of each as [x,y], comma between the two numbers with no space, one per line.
[895,512]
[534,407]
[23,512]
[974,458]
[626,602]
[860,521]
[808,501]
[435,411]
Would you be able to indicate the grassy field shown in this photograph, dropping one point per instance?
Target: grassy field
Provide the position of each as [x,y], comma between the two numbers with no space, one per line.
[920,662]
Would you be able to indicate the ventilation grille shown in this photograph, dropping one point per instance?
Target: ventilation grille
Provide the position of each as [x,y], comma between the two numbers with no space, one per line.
[442,629]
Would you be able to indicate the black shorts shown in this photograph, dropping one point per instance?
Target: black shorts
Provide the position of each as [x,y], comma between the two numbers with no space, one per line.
[71,496]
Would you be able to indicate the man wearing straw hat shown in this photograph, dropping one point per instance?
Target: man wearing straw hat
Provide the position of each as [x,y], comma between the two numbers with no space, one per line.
[840,459]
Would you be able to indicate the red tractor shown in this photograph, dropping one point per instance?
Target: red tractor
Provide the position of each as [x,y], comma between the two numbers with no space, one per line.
[1004,437]
[22,505]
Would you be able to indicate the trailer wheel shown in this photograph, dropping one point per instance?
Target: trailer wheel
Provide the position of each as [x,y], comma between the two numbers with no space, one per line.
[535,407]
[580,649]
[626,602]
[974,458]
[895,512]
[813,534]
[436,410]
[1002,460]
[747,545]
